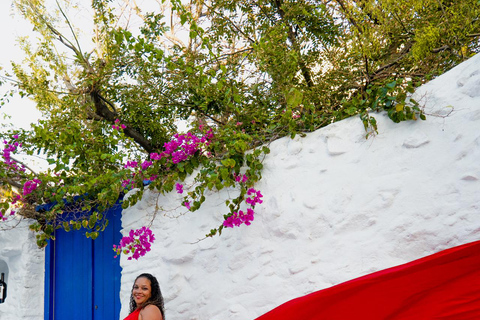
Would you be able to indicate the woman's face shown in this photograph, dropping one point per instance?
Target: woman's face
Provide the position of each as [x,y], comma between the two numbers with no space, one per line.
[142,291]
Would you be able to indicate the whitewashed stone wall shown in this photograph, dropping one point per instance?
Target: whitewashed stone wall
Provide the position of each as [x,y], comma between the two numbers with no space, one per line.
[26,270]
[336,206]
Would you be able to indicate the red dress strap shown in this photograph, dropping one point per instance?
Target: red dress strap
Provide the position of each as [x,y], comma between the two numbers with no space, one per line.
[133,315]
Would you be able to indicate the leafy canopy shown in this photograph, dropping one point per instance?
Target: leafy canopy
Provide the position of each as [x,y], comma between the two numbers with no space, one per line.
[249,71]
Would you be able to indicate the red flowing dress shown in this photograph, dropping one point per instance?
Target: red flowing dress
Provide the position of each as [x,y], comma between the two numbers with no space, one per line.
[442,286]
[133,315]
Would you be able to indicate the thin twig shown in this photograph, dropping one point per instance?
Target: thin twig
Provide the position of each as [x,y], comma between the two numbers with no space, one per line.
[24,165]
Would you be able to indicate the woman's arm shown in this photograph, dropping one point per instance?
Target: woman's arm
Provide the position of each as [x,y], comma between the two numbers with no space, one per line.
[150,312]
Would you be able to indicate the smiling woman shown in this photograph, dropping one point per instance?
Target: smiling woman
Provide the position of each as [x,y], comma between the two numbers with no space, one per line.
[146,300]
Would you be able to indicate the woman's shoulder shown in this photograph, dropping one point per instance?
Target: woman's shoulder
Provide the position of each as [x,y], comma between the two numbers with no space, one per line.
[150,312]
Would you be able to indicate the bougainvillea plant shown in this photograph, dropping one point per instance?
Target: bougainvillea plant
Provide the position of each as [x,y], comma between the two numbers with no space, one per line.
[162,171]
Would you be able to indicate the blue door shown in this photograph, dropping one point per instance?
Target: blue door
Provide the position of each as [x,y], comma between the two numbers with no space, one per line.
[82,277]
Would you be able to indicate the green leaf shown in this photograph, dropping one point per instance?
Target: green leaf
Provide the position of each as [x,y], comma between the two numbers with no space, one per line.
[294,97]
[391,85]
[351,110]
[228,163]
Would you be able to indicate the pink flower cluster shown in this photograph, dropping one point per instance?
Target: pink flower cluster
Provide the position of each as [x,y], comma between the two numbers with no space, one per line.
[179,188]
[8,150]
[134,164]
[182,146]
[30,186]
[156,156]
[187,204]
[237,218]
[145,164]
[239,178]
[127,182]
[16,198]
[240,217]
[179,149]
[131,164]
[4,217]
[137,243]
[118,127]
[255,197]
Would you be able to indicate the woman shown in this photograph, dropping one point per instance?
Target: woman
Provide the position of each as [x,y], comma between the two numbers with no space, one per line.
[146,301]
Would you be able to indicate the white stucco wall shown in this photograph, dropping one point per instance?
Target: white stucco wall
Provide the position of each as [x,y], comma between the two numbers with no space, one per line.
[26,270]
[336,206]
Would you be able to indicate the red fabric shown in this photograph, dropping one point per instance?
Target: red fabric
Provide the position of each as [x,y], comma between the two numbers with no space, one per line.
[445,285]
[133,315]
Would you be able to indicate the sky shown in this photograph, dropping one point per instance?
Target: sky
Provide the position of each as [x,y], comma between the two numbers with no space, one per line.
[14,26]
[22,111]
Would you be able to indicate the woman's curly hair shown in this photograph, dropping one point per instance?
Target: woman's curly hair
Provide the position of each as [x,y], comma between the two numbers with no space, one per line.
[156,299]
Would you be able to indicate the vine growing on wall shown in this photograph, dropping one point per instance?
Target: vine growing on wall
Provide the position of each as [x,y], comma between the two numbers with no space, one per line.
[240,73]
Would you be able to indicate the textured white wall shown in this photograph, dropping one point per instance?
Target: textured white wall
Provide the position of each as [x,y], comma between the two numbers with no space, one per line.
[26,264]
[336,206]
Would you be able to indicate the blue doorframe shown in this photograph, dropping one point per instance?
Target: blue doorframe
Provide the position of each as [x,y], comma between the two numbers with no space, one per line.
[82,277]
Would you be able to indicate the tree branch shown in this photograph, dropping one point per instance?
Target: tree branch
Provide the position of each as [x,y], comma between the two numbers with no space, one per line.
[24,165]
[442,48]
[60,36]
[349,17]
[71,29]
[14,183]
[103,109]
[402,54]
[232,24]
[293,39]
[446,48]
[227,55]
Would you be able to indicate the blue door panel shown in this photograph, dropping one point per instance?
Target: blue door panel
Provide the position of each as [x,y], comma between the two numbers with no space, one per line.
[72,276]
[82,278]
[106,269]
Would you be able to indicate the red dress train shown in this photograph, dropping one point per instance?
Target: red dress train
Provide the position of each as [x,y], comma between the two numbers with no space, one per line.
[445,285]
